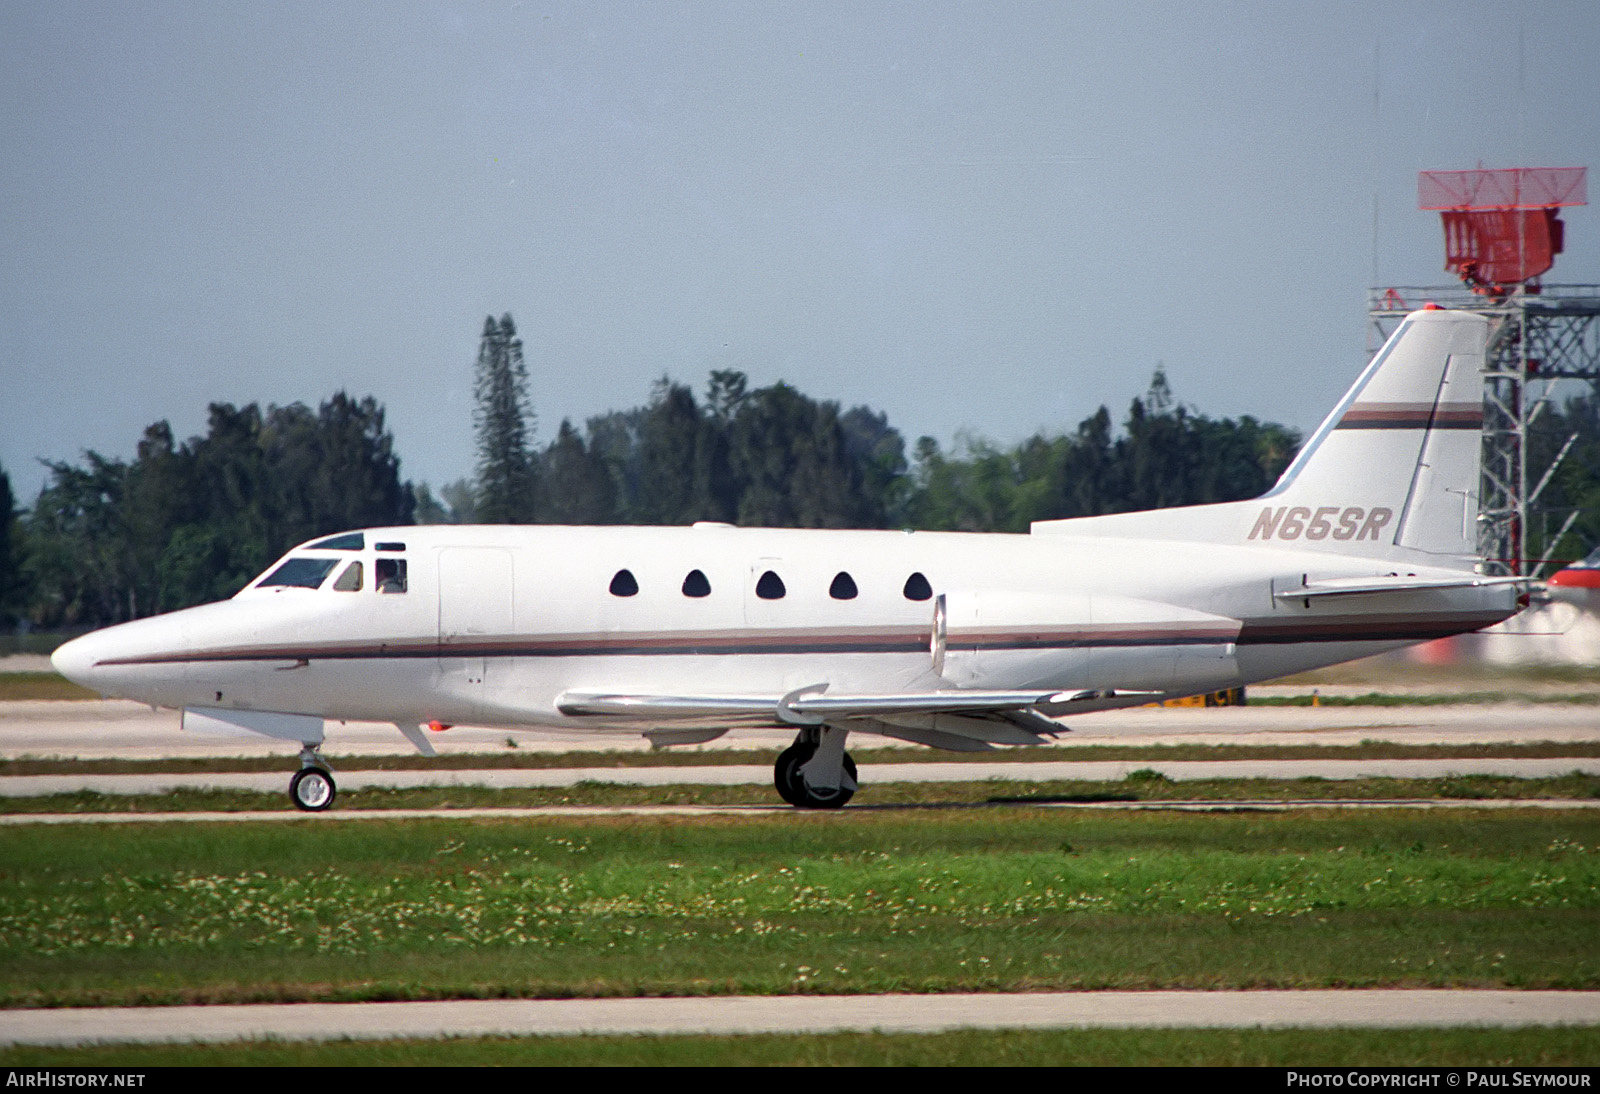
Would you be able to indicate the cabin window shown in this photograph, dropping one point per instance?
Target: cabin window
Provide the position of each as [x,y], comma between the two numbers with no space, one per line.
[303,573]
[389,546]
[350,541]
[389,575]
[770,587]
[917,587]
[696,584]
[350,580]
[624,584]
[843,587]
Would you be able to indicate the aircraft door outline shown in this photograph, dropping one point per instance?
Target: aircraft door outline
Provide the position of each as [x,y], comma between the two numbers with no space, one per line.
[476,615]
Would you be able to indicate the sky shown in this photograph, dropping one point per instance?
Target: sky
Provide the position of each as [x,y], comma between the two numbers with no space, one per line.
[985,219]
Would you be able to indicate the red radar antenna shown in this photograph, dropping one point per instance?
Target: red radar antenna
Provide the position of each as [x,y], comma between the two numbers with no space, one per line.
[1502,229]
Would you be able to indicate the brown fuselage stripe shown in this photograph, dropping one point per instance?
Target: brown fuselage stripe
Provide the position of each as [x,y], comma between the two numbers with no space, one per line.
[1375,628]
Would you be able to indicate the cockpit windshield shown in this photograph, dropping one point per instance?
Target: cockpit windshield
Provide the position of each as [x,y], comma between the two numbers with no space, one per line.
[305,573]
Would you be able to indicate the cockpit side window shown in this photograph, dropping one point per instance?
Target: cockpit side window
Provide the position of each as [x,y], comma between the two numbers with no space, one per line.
[304,573]
[389,574]
[350,580]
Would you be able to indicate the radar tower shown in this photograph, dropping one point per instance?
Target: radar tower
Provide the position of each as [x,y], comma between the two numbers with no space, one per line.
[1502,232]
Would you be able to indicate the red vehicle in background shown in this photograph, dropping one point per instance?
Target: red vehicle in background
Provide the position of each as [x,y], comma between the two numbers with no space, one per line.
[1579,584]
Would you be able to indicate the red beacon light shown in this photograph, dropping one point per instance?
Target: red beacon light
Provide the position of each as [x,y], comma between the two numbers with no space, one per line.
[1502,228]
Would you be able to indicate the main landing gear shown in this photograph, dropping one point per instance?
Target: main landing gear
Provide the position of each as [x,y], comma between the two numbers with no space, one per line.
[312,789]
[816,772]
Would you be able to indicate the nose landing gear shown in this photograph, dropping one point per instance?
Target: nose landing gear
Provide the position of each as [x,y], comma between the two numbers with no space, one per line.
[312,789]
[816,772]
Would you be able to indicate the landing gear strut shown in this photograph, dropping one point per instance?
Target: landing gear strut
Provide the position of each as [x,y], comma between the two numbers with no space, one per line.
[805,770]
[312,789]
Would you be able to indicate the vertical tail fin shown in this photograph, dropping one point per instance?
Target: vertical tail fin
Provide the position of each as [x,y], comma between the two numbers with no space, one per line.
[1403,446]
[1391,472]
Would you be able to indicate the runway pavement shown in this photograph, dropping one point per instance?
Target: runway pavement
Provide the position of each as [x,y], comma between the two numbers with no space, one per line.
[116,729]
[804,1014]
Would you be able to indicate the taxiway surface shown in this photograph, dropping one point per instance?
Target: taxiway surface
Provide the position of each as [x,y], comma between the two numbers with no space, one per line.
[1398,1009]
[115,729]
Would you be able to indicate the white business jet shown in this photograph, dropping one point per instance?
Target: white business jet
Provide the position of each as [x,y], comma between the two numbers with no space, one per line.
[958,641]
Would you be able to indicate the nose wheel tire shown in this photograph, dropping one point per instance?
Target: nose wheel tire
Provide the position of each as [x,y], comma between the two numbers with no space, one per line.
[312,789]
[793,788]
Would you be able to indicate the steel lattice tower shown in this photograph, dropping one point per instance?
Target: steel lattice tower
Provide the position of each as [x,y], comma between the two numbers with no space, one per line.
[1501,234]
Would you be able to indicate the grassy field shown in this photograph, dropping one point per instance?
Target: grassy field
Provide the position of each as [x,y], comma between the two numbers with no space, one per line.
[20,686]
[863,901]
[1015,1048]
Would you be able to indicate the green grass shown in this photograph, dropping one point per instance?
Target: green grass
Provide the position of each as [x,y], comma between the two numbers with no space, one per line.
[20,686]
[1139,786]
[1535,1047]
[864,901]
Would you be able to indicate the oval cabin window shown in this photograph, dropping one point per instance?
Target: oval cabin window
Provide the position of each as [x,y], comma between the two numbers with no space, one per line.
[770,587]
[624,584]
[843,587]
[696,584]
[917,587]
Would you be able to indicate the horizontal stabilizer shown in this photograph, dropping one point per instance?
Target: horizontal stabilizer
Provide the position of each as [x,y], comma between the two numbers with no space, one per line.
[1391,585]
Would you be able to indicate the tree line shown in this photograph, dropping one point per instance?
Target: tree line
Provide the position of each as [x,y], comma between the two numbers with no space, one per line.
[109,540]
[773,456]
[184,523]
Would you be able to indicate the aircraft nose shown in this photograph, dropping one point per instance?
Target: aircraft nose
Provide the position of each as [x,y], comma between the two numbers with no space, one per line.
[75,660]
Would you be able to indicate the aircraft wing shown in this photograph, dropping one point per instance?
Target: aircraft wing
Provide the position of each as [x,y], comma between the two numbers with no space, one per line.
[808,706]
[944,717]
[1391,584]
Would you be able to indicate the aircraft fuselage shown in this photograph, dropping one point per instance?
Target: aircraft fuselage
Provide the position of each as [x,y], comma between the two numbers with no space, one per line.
[496,624]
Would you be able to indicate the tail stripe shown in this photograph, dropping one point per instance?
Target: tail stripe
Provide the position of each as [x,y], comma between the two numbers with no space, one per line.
[1412,416]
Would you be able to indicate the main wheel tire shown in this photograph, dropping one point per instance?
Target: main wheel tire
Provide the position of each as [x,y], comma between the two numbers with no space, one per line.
[814,798]
[793,788]
[312,789]
[786,772]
